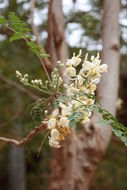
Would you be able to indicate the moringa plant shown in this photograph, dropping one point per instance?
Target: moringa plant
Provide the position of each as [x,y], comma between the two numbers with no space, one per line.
[70,101]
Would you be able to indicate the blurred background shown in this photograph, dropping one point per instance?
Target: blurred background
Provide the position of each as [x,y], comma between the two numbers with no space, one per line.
[20,168]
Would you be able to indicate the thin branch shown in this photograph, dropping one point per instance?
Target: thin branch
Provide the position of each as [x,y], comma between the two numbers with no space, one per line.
[27,139]
[19,87]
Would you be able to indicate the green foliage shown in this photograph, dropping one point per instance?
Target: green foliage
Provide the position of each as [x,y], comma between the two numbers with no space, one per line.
[21,31]
[38,110]
[107,119]
[3,21]
[119,129]
[18,25]
[36,49]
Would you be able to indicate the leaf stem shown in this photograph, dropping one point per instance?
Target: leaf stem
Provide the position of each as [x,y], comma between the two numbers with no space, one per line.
[25,38]
[40,147]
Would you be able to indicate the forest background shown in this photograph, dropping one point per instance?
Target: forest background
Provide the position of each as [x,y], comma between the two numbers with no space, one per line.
[83,22]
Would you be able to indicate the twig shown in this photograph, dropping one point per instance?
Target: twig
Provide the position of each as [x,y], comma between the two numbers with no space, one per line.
[27,139]
[44,68]
[40,147]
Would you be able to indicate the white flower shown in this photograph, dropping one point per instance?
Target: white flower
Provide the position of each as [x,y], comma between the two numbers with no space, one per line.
[55,112]
[64,122]
[96,62]
[103,68]
[25,76]
[64,110]
[35,81]
[87,65]
[40,81]
[80,79]
[54,134]
[53,143]
[51,123]
[95,81]
[18,74]
[69,63]
[72,90]
[70,71]
[86,117]
[84,89]
[92,88]
[53,140]
[76,61]
[65,85]
[92,58]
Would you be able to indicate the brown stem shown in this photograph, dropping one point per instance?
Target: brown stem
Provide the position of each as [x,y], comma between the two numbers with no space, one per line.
[27,139]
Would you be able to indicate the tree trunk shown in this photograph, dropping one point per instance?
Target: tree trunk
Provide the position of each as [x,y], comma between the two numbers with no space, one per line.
[77,160]
[56,39]
[16,160]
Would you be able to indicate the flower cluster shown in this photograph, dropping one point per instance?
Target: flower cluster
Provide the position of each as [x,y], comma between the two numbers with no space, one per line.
[82,78]
[23,78]
[80,88]
[56,79]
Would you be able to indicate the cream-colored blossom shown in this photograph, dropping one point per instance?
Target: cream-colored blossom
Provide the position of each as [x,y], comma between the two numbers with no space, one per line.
[51,123]
[103,68]
[70,72]
[72,90]
[54,139]
[96,80]
[86,117]
[18,74]
[64,109]
[54,143]
[64,122]
[69,63]
[80,79]
[55,134]
[55,113]
[76,61]
[81,85]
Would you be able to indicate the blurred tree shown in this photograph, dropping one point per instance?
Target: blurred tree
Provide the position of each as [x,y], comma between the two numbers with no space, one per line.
[75,164]
[17,178]
[69,166]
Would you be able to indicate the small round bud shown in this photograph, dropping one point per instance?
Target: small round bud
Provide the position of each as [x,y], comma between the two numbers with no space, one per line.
[26,75]
[18,74]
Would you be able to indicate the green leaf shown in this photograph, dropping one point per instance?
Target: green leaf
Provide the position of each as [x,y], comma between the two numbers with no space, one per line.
[35,48]
[118,133]
[17,24]
[16,36]
[3,21]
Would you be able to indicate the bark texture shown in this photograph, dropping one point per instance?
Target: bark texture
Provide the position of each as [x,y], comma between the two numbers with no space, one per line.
[76,162]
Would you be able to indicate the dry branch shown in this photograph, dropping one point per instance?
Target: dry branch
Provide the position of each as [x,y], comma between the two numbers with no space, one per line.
[27,139]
